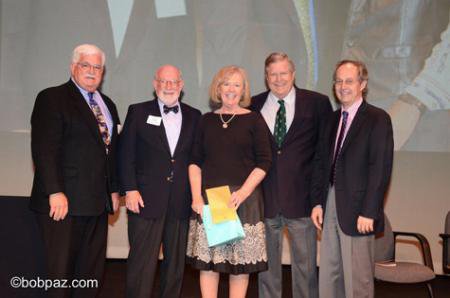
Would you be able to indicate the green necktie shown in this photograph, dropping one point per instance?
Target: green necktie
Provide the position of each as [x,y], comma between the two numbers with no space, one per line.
[280,124]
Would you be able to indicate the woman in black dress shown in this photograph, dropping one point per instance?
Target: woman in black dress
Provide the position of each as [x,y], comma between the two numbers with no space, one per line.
[231,148]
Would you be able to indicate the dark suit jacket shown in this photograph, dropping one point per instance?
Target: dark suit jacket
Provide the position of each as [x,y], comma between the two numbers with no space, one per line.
[69,154]
[287,185]
[146,164]
[363,169]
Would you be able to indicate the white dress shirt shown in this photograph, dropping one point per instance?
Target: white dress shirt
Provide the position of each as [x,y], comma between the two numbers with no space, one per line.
[172,124]
[271,106]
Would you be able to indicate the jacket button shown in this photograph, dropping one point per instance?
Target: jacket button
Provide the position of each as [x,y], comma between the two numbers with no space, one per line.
[172,160]
[279,152]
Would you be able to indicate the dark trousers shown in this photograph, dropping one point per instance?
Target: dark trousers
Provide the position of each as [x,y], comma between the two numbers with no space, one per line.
[75,249]
[145,237]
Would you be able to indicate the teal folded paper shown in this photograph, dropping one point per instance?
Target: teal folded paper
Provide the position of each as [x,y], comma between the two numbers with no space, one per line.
[223,232]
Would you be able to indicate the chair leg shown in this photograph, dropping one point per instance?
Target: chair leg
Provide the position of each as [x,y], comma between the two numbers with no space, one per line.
[430,290]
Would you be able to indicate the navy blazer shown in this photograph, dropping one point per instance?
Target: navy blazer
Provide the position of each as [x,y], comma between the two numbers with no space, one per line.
[287,184]
[363,169]
[69,154]
[146,165]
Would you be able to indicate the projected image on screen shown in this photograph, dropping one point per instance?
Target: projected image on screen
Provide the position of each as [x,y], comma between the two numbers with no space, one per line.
[405,45]
[409,66]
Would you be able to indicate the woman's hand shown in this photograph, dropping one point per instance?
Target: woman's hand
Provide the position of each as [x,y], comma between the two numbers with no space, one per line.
[197,205]
[237,198]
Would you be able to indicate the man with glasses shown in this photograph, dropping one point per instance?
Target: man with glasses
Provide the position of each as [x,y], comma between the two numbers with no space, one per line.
[352,172]
[154,155]
[73,141]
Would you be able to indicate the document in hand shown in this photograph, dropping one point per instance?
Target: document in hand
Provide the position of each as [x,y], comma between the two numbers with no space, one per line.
[218,199]
[221,233]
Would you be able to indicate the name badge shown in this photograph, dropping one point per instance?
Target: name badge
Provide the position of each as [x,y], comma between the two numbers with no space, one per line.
[154,120]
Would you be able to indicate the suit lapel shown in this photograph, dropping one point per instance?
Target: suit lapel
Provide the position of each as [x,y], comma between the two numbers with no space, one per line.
[186,122]
[296,121]
[154,110]
[81,105]
[333,135]
[355,126]
[259,101]
[111,110]
[257,106]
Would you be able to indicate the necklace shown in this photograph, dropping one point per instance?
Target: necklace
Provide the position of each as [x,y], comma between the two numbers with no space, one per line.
[225,123]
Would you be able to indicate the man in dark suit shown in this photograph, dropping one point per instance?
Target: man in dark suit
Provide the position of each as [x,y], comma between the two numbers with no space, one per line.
[73,143]
[155,147]
[295,117]
[352,172]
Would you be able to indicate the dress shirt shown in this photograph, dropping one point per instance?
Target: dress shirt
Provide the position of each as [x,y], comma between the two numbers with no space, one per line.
[98,98]
[351,115]
[172,125]
[271,106]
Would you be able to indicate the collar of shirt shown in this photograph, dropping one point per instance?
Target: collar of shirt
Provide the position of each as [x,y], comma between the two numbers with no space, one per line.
[85,92]
[289,99]
[172,125]
[352,110]
[98,98]
[271,106]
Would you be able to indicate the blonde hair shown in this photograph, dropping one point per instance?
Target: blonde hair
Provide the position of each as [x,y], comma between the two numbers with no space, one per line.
[224,75]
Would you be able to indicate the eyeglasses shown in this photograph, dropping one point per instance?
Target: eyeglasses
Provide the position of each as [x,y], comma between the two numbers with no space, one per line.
[349,82]
[86,67]
[166,82]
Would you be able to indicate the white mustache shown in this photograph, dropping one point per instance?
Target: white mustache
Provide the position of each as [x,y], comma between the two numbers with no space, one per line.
[88,76]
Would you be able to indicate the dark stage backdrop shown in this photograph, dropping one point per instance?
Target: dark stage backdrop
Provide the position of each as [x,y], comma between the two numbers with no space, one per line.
[22,255]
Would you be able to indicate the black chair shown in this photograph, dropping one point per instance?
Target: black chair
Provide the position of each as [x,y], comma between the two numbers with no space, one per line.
[446,245]
[388,269]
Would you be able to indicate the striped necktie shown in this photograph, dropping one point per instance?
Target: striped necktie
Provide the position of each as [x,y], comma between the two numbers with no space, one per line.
[338,146]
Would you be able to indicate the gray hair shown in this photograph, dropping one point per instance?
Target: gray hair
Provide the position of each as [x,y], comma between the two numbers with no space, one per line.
[87,49]
[277,57]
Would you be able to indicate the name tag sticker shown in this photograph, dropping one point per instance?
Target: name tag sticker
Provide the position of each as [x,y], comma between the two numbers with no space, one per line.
[154,120]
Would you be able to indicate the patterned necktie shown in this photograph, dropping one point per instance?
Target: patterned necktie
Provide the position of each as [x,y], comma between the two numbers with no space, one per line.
[279,131]
[100,119]
[338,146]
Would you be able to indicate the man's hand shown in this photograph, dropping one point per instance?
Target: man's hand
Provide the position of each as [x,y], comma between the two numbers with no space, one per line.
[364,224]
[59,206]
[115,201]
[133,200]
[317,217]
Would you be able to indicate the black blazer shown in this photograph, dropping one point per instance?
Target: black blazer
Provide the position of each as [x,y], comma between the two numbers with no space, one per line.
[69,154]
[146,165]
[287,184]
[363,169]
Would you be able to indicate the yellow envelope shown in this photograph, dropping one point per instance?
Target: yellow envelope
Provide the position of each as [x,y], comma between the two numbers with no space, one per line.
[218,198]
